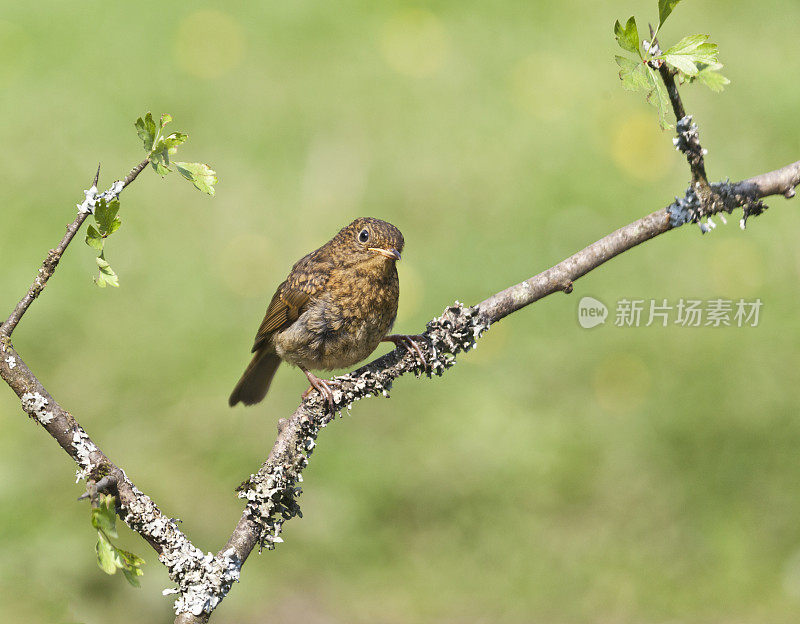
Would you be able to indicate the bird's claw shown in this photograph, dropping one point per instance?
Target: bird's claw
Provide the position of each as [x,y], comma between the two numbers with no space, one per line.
[410,344]
[322,386]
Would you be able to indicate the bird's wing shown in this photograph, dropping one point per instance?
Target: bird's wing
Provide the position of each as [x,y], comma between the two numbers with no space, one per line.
[289,301]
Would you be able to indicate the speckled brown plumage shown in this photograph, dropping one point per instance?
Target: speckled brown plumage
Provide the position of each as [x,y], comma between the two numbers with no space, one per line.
[335,307]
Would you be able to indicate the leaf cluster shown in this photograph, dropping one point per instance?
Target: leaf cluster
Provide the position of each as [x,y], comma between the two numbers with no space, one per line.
[109,557]
[693,58]
[160,146]
[106,223]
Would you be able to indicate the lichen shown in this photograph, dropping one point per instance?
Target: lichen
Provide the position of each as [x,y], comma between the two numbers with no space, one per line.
[687,137]
[272,493]
[91,196]
[36,405]
[724,196]
[84,448]
[202,579]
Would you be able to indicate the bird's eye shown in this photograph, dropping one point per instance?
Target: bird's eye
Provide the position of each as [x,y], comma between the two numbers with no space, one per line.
[363,235]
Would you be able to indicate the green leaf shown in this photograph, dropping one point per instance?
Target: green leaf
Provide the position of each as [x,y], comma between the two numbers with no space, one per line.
[105,214]
[109,557]
[201,175]
[707,53]
[658,97]
[159,158]
[106,557]
[131,574]
[681,63]
[689,51]
[665,7]
[165,119]
[146,129]
[173,140]
[633,74]
[104,518]
[160,162]
[130,565]
[94,239]
[710,76]
[106,277]
[687,44]
[627,36]
[129,559]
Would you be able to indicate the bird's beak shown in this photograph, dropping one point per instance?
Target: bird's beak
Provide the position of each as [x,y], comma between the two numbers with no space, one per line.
[392,254]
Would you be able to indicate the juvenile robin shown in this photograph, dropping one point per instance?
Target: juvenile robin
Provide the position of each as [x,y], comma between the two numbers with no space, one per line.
[337,304]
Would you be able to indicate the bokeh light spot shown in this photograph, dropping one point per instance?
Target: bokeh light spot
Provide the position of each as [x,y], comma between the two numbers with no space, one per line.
[209,44]
[621,383]
[638,148]
[415,43]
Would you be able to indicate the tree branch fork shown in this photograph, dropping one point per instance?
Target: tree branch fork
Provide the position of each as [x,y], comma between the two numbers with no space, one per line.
[270,494]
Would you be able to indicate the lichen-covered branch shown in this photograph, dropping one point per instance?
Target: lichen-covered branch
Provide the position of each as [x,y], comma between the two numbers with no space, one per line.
[187,565]
[271,494]
[688,140]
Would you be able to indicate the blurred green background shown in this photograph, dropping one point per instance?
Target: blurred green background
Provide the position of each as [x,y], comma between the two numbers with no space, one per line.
[557,474]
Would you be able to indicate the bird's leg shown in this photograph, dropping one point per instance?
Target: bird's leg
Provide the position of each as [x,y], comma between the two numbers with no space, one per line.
[410,343]
[322,386]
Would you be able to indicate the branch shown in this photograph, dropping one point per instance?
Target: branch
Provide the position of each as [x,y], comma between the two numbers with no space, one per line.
[54,255]
[692,148]
[779,182]
[182,559]
[271,494]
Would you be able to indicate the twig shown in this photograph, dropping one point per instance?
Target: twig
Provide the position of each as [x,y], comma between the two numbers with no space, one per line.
[203,579]
[271,493]
[692,148]
[54,257]
[135,172]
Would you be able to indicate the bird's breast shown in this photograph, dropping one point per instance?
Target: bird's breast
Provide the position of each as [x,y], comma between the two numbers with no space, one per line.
[344,323]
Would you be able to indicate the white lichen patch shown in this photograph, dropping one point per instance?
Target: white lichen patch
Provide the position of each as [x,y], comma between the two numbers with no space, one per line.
[92,196]
[11,361]
[271,494]
[36,405]
[90,199]
[203,579]
[84,448]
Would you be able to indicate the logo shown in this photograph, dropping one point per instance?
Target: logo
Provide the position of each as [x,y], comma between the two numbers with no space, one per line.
[591,312]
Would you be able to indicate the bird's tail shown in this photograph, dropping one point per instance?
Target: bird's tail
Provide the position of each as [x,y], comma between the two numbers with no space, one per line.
[253,385]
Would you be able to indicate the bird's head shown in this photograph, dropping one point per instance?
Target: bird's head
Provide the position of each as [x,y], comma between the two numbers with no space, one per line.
[371,240]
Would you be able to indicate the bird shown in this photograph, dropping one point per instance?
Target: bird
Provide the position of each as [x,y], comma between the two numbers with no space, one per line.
[335,307]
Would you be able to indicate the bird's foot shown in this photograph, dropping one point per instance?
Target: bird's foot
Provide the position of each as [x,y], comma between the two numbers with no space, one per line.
[410,343]
[323,386]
